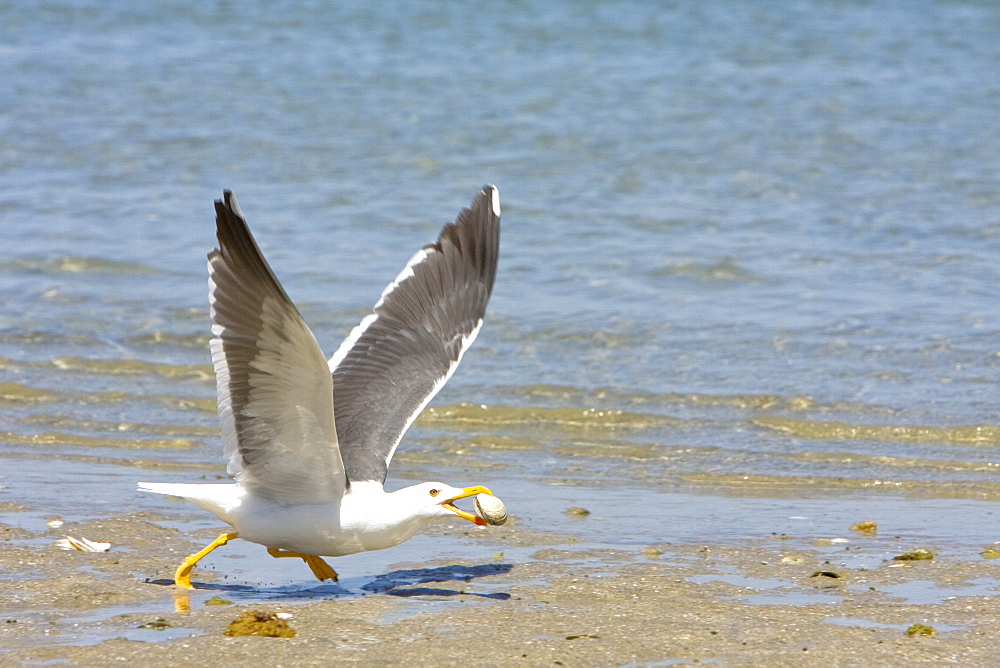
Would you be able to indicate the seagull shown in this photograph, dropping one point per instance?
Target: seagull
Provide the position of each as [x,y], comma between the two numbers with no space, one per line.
[308,440]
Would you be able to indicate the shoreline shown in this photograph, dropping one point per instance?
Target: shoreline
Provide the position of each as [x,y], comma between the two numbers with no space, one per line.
[777,600]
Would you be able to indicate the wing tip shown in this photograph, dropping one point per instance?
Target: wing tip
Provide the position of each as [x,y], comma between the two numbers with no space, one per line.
[493,193]
[228,204]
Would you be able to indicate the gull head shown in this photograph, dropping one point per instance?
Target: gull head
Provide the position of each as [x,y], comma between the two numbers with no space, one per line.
[436,499]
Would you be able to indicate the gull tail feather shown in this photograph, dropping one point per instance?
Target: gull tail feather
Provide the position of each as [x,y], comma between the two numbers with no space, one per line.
[217,498]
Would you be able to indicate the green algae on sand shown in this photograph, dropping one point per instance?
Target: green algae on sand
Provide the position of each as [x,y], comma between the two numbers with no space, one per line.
[257,623]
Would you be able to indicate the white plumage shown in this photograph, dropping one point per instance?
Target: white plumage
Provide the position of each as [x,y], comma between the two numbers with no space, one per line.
[309,441]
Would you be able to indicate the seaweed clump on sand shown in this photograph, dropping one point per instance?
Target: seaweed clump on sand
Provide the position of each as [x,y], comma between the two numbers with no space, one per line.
[867,528]
[919,554]
[260,624]
[920,630]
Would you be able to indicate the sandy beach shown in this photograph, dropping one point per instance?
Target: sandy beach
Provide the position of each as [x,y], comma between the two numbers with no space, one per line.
[774,601]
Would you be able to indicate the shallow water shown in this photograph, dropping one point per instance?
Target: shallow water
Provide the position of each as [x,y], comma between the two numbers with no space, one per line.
[748,268]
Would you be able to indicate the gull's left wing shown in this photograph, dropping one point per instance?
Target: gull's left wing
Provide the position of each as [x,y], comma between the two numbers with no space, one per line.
[274,387]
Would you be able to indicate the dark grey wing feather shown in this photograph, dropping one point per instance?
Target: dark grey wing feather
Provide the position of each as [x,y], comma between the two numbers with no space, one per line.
[400,355]
[274,387]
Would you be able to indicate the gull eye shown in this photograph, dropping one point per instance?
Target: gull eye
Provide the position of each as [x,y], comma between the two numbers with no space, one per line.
[435,492]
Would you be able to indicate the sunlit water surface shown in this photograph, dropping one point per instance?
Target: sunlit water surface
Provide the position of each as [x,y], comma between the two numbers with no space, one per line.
[748,271]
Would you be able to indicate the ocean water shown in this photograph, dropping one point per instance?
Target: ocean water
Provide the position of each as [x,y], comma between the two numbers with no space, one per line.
[748,266]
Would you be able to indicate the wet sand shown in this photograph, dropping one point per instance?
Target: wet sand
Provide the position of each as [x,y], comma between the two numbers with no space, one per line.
[778,600]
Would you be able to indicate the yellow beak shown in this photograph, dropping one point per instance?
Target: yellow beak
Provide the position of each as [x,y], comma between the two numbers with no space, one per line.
[468,491]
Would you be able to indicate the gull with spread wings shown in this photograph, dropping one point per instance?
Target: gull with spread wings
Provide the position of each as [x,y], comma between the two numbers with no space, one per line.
[309,440]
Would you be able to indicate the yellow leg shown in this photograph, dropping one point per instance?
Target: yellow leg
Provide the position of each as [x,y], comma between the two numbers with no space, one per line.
[320,568]
[182,578]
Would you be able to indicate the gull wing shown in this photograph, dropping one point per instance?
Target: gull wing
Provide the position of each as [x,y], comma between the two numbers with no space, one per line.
[397,359]
[274,387]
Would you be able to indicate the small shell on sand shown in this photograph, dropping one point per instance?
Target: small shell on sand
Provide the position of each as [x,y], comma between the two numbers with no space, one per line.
[490,508]
[81,544]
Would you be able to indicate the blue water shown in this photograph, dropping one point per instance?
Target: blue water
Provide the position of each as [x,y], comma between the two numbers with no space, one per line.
[737,223]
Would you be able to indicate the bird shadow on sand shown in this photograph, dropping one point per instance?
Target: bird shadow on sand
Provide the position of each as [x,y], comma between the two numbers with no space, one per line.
[392,583]
[395,583]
